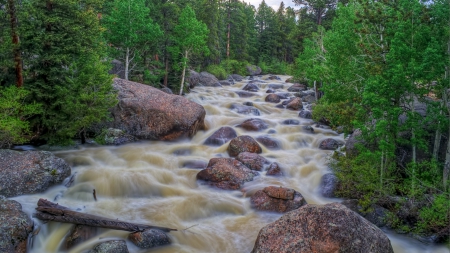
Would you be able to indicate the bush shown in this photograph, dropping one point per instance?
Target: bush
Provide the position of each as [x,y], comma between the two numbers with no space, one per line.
[437,216]
[335,114]
[235,67]
[217,71]
[276,67]
[14,114]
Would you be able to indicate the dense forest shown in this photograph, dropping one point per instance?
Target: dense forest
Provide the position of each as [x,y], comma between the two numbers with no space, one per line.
[382,67]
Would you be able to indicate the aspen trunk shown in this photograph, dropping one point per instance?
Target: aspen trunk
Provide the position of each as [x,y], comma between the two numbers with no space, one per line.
[184,72]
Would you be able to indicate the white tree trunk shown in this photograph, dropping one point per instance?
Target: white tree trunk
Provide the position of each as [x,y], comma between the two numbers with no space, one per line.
[184,71]
[127,63]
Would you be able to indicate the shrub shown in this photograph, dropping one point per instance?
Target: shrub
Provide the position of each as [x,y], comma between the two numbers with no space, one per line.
[235,67]
[14,113]
[218,71]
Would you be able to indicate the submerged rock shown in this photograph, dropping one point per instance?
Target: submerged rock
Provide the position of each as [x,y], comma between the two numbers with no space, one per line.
[254,125]
[291,122]
[15,227]
[79,234]
[276,86]
[329,228]
[236,77]
[148,113]
[244,109]
[305,114]
[221,136]
[274,170]
[245,94]
[269,142]
[277,199]
[295,104]
[149,238]
[30,172]
[251,87]
[243,143]
[226,173]
[115,246]
[272,98]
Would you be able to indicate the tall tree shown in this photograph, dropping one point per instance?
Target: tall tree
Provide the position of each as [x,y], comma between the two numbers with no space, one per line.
[131,31]
[190,37]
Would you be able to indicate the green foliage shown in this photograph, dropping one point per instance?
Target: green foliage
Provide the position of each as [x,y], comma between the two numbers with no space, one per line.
[14,113]
[217,71]
[235,67]
[341,114]
[437,216]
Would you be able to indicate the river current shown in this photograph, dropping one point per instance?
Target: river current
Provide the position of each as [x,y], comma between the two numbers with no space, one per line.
[146,182]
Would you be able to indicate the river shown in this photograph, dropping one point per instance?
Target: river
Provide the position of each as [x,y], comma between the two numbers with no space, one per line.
[146,182]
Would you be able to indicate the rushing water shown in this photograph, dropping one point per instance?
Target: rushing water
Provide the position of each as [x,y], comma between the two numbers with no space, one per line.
[146,182]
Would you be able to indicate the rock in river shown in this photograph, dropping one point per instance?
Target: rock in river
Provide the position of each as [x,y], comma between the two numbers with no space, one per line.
[254,125]
[226,173]
[148,113]
[323,229]
[243,143]
[221,136]
[30,172]
[277,199]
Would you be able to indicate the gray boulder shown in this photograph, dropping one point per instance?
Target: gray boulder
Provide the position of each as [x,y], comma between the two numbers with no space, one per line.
[30,172]
[253,70]
[149,238]
[115,246]
[15,227]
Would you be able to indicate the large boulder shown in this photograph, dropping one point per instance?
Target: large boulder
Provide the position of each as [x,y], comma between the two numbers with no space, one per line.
[221,136]
[253,161]
[226,173]
[30,172]
[254,125]
[245,109]
[326,229]
[277,199]
[15,226]
[149,238]
[148,113]
[243,143]
[203,78]
[114,246]
[236,77]
[253,70]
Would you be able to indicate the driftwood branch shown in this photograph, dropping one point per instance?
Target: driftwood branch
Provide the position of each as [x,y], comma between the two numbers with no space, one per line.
[49,211]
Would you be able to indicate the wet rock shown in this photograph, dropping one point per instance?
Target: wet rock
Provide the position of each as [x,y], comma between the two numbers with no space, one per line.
[253,70]
[297,87]
[289,80]
[15,226]
[275,86]
[269,142]
[226,173]
[328,185]
[204,78]
[270,91]
[195,164]
[221,136]
[236,77]
[272,98]
[112,136]
[245,94]
[30,172]
[248,103]
[148,113]
[254,125]
[283,95]
[277,199]
[308,129]
[274,170]
[149,238]
[251,87]
[330,144]
[79,234]
[329,228]
[376,214]
[272,131]
[295,104]
[291,122]
[281,106]
[253,161]
[305,114]
[225,83]
[243,109]
[115,246]
[243,143]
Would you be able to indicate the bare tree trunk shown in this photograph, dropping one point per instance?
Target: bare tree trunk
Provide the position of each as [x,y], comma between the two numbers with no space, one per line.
[15,41]
[184,72]
[127,63]
[166,74]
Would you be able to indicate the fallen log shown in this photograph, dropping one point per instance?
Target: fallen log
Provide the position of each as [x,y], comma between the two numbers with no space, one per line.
[49,211]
